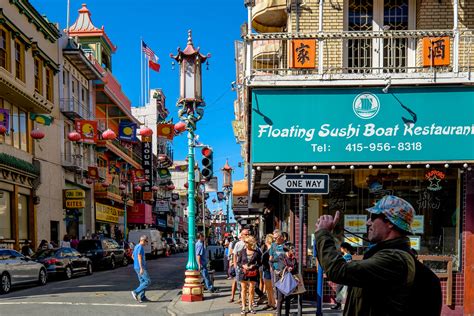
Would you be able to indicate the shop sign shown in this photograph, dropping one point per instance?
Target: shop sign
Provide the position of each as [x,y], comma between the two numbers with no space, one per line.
[88,130]
[75,194]
[355,223]
[434,177]
[147,165]
[75,203]
[354,241]
[161,222]
[169,220]
[303,53]
[106,213]
[240,202]
[128,132]
[418,224]
[162,206]
[436,51]
[353,125]
[415,242]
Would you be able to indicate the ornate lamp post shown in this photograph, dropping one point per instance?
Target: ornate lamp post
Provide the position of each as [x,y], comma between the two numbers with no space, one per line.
[227,185]
[191,110]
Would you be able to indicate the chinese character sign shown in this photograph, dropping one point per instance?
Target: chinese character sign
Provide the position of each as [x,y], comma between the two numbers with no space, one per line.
[303,54]
[436,51]
[88,131]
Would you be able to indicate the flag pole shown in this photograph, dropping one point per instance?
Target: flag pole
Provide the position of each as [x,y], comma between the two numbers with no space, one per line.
[141,72]
[148,79]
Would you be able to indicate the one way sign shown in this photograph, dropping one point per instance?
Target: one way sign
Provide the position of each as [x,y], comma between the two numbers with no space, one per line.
[303,183]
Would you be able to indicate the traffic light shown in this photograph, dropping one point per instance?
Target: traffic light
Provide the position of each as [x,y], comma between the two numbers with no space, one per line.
[206,162]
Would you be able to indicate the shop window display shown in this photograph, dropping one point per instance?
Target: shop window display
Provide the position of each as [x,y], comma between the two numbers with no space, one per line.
[434,193]
[5,215]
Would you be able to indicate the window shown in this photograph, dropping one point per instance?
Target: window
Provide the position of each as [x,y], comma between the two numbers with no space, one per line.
[38,76]
[66,84]
[67,144]
[4,49]
[361,14]
[16,126]
[5,215]
[18,133]
[8,138]
[49,85]
[23,131]
[23,216]
[19,61]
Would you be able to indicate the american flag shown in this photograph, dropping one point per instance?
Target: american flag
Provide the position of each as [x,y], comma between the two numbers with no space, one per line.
[147,50]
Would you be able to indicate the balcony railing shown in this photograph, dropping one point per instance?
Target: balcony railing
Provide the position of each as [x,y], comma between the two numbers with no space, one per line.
[76,161]
[364,53]
[73,109]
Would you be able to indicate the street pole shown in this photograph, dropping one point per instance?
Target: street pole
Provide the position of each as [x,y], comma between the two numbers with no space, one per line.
[300,250]
[192,264]
[204,210]
[227,228]
[125,200]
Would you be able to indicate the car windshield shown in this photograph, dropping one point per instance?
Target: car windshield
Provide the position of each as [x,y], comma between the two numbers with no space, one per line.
[44,254]
[86,245]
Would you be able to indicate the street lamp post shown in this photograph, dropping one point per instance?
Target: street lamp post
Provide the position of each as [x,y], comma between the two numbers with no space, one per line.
[191,109]
[227,185]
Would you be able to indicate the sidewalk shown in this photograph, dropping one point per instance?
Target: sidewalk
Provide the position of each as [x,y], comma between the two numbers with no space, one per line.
[218,304]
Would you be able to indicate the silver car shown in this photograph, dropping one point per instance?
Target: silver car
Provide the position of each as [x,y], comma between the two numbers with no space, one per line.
[16,269]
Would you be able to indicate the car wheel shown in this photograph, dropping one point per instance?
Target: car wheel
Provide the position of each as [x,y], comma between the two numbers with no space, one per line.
[125,261]
[112,263]
[89,269]
[68,273]
[6,284]
[43,277]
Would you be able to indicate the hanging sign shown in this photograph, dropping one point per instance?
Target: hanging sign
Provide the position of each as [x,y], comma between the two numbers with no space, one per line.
[88,130]
[93,173]
[436,51]
[75,194]
[165,131]
[42,118]
[138,175]
[128,131]
[147,165]
[5,118]
[303,53]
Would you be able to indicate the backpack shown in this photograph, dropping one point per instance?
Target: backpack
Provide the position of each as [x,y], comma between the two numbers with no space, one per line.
[426,297]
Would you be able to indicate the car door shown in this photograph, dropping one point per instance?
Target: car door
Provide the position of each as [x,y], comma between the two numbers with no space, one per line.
[21,267]
[119,252]
[81,261]
[69,258]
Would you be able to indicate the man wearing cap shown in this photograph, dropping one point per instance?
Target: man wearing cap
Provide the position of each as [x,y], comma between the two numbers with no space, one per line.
[380,284]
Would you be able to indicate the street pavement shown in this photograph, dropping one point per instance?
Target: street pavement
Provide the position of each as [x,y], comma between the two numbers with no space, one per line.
[103,293]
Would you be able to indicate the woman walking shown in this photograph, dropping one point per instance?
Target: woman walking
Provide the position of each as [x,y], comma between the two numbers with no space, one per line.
[267,275]
[287,264]
[248,261]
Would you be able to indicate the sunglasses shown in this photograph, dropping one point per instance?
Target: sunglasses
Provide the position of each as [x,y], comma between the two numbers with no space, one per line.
[373,217]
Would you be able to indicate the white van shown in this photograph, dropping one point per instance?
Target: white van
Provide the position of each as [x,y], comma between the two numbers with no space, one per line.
[155,246]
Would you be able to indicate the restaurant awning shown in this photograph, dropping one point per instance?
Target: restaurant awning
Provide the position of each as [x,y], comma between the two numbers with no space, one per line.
[240,188]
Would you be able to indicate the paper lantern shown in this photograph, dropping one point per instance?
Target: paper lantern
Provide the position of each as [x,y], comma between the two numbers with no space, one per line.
[109,134]
[105,184]
[89,181]
[37,134]
[154,188]
[170,187]
[122,187]
[3,130]
[186,185]
[180,127]
[74,136]
[146,131]
[138,188]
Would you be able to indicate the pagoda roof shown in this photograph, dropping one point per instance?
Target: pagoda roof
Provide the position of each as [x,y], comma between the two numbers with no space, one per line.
[83,27]
[189,51]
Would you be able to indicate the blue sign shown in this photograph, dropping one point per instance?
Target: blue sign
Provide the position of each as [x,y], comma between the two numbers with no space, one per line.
[362,125]
[161,222]
[128,131]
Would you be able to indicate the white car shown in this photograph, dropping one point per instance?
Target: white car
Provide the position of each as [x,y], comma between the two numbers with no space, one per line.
[155,246]
[16,269]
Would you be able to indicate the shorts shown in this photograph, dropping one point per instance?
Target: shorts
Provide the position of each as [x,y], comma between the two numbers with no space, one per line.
[267,275]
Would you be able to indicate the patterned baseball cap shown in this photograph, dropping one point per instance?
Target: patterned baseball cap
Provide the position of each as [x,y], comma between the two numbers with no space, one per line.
[398,211]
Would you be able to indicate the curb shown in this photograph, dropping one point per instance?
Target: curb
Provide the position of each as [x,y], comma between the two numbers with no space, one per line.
[170,308]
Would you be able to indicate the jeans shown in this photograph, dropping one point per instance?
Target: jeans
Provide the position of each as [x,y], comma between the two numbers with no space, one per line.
[207,279]
[144,280]
[280,299]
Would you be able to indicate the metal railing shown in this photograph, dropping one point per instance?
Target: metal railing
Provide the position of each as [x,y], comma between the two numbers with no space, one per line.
[355,52]
[76,160]
[72,105]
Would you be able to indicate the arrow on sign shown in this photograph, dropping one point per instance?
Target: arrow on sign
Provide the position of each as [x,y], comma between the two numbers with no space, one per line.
[304,183]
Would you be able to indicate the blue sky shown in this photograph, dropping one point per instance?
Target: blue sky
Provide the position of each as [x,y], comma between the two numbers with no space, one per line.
[163,25]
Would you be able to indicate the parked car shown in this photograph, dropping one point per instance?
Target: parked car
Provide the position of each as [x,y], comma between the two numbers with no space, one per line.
[128,248]
[172,243]
[184,242]
[16,269]
[154,247]
[104,252]
[64,261]
[180,245]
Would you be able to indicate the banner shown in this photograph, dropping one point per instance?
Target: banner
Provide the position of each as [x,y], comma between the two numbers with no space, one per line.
[42,118]
[128,132]
[5,119]
[340,125]
[88,131]
[147,165]
[165,131]
[164,173]
[138,175]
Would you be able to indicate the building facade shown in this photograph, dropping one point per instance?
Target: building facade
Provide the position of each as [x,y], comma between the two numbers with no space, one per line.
[363,91]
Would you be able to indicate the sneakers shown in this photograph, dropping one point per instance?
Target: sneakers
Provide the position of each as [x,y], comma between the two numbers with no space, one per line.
[261,300]
[214,290]
[336,307]
[144,299]
[135,297]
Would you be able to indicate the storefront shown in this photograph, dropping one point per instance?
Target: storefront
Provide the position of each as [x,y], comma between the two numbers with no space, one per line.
[109,221]
[140,215]
[416,143]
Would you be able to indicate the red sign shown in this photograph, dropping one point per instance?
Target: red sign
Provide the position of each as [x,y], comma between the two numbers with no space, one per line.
[88,131]
[140,214]
[93,173]
[138,175]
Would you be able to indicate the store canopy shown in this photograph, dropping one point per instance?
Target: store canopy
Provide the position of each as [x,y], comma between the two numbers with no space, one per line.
[240,188]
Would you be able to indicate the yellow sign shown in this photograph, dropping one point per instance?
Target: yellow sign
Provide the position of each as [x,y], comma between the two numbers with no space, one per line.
[355,223]
[415,242]
[106,213]
[418,223]
[75,203]
[354,241]
[75,194]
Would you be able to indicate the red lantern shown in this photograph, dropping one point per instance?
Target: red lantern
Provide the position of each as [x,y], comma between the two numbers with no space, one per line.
[180,127]
[186,185]
[161,157]
[146,131]
[109,134]
[3,130]
[138,188]
[105,184]
[122,187]
[89,181]
[37,134]
[154,188]
[171,187]
[74,136]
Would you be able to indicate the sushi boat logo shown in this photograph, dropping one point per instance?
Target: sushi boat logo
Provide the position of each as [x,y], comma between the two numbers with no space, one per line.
[366,105]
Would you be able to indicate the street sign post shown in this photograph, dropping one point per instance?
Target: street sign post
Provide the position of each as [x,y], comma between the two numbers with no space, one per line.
[302,183]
